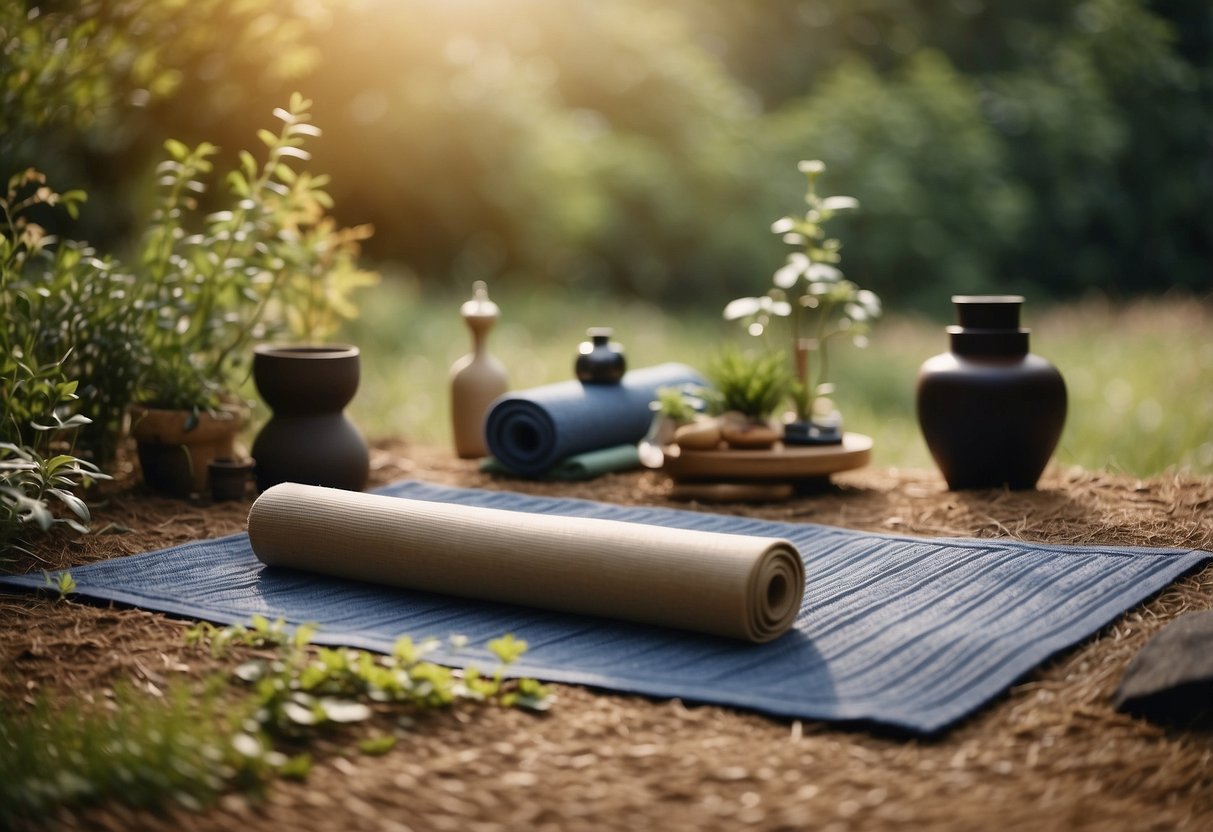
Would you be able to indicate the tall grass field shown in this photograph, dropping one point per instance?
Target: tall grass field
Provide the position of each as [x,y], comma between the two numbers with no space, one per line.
[1139,375]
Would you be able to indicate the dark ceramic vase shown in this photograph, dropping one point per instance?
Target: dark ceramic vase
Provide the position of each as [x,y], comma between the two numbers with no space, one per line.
[599,361]
[309,439]
[990,411]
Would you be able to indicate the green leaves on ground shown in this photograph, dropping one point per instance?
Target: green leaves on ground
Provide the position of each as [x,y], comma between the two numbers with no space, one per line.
[62,582]
[141,750]
[187,746]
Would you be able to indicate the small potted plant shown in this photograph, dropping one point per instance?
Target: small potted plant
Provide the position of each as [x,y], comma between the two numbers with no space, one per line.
[747,389]
[214,285]
[675,410]
[817,304]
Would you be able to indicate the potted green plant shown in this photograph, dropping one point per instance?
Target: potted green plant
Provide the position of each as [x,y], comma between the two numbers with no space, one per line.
[747,389]
[214,285]
[675,410]
[817,304]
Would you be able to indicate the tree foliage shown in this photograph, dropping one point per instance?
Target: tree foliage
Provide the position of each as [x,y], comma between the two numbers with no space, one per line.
[1049,146]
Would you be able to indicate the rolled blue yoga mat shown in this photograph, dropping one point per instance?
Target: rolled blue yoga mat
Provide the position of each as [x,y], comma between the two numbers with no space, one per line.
[530,431]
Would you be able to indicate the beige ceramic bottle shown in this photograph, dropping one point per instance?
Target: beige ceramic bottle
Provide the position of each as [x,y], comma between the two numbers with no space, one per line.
[476,379]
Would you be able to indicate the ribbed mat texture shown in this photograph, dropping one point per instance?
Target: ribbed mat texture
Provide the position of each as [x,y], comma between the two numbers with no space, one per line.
[913,633]
[531,431]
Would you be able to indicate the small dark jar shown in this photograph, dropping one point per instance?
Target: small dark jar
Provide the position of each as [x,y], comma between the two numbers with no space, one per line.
[991,412]
[600,360]
[308,439]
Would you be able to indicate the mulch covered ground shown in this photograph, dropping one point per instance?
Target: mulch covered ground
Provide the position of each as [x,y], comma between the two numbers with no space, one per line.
[1050,754]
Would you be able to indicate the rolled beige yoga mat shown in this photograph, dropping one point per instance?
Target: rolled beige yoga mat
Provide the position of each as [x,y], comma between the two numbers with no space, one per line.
[731,585]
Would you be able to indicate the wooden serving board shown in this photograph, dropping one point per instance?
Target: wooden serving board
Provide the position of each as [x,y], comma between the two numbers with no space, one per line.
[782,463]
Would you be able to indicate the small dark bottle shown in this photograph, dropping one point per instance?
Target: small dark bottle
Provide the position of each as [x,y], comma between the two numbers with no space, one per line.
[991,412]
[600,360]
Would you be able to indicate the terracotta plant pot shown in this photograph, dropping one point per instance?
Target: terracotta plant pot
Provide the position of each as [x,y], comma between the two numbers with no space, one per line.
[177,446]
[308,439]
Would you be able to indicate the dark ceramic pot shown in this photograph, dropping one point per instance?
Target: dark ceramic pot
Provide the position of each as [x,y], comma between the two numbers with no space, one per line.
[990,411]
[599,361]
[309,439]
[229,478]
[801,432]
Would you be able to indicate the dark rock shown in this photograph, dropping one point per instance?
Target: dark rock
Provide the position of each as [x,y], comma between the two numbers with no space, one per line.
[1170,680]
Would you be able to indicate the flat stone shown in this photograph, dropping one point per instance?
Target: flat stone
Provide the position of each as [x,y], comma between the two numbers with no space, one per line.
[1170,680]
[701,435]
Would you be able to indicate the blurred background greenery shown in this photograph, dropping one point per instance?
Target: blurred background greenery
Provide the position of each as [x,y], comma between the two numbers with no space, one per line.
[1139,374]
[621,162]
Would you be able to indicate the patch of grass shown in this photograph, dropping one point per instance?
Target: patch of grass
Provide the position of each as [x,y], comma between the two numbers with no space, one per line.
[141,750]
[1140,375]
[187,747]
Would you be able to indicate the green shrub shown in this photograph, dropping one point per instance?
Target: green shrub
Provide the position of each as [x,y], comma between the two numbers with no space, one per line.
[39,473]
[271,264]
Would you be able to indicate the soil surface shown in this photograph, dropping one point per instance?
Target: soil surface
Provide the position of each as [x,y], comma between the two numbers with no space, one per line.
[1051,753]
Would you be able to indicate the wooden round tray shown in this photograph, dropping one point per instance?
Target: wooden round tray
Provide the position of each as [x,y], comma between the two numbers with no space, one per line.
[780,463]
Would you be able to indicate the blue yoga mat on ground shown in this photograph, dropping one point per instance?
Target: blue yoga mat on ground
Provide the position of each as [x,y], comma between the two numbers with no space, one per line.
[532,430]
[909,632]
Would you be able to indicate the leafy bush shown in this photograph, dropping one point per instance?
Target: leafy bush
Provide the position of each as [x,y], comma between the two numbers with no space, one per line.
[38,470]
[85,86]
[272,263]
[145,752]
[175,329]
[90,315]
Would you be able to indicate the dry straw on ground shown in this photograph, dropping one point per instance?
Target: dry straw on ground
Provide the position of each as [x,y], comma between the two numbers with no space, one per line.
[1050,754]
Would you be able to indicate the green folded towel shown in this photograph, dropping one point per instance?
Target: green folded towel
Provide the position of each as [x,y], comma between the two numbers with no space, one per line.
[579,466]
